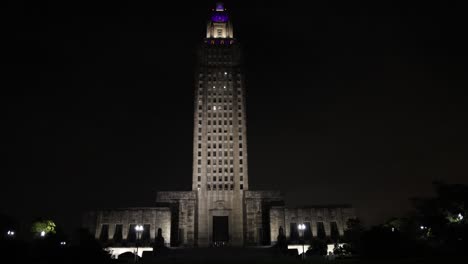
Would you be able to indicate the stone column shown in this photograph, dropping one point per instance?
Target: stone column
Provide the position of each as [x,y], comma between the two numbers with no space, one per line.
[111,231]
[125,227]
[153,228]
[313,227]
[98,230]
[340,227]
[326,225]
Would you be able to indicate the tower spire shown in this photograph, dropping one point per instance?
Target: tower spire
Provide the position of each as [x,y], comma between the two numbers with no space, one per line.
[219,26]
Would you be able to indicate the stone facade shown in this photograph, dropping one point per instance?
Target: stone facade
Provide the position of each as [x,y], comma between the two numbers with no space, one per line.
[110,224]
[314,216]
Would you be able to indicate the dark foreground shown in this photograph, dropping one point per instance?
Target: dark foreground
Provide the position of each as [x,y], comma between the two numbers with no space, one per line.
[269,255]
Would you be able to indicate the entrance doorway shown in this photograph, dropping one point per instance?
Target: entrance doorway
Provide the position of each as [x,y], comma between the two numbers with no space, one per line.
[220,231]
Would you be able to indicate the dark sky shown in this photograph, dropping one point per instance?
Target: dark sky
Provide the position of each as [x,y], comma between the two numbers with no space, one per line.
[353,102]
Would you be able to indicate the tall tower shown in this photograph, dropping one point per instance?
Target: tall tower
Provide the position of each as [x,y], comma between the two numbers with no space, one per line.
[220,174]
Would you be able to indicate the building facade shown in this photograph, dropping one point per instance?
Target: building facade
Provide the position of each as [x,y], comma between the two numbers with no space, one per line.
[220,209]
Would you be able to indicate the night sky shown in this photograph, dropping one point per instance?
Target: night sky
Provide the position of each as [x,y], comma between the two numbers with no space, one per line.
[361,103]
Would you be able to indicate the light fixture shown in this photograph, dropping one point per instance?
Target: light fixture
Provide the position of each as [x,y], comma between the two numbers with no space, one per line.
[139,228]
[10,233]
[42,233]
[460,217]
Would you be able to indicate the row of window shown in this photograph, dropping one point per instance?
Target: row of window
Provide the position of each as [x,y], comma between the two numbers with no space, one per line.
[219,115]
[224,99]
[239,122]
[220,107]
[219,137]
[220,170]
[220,130]
[219,73]
[230,187]
[220,92]
[220,145]
[117,236]
[307,235]
[220,178]
[220,153]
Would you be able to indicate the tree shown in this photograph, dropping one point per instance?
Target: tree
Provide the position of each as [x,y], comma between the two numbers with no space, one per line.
[353,234]
[46,226]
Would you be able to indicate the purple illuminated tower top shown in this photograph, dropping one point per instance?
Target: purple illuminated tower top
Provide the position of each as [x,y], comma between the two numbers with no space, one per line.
[219,15]
[219,25]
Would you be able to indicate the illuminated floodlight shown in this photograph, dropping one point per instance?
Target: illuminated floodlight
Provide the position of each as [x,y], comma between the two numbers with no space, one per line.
[10,233]
[393,229]
[301,226]
[63,243]
[460,217]
[139,228]
[42,233]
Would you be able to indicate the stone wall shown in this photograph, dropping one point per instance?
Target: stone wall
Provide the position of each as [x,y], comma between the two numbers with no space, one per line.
[313,215]
[183,205]
[155,217]
[257,217]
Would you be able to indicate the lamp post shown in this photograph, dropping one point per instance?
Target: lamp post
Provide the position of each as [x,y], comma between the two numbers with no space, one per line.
[11,233]
[302,228]
[138,230]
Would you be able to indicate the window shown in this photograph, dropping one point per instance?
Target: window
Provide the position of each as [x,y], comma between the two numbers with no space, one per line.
[307,231]
[242,186]
[104,235]
[334,233]
[199,162]
[199,178]
[199,170]
[220,32]
[320,230]
[241,178]
[199,153]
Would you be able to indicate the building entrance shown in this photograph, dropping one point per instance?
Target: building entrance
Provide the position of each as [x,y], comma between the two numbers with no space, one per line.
[220,230]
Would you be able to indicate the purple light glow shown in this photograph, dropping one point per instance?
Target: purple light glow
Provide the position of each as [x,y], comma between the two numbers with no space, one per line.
[219,17]
[219,7]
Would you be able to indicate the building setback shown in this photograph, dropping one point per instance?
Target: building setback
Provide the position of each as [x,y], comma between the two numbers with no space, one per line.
[220,209]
